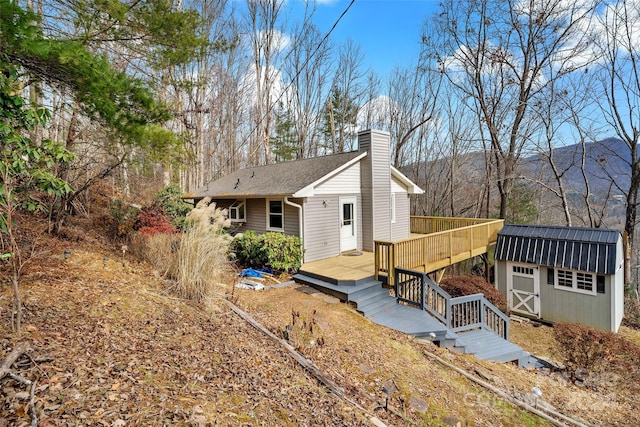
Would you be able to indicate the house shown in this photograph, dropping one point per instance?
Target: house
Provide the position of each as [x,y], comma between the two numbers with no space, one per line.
[335,203]
[562,274]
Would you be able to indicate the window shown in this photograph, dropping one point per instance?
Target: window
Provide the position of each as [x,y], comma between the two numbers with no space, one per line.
[584,281]
[565,279]
[577,281]
[523,270]
[393,208]
[237,211]
[550,276]
[275,215]
[600,283]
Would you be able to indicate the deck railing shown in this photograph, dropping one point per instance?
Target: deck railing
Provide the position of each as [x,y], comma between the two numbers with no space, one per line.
[459,313]
[455,240]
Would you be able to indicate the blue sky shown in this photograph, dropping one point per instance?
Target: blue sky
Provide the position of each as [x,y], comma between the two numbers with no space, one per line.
[387,31]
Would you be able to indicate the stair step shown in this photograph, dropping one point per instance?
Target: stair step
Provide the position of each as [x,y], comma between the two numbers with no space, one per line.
[376,306]
[366,289]
[373,294]
[372,300]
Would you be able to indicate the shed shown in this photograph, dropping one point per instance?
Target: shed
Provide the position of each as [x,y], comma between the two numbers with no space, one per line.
[562,274]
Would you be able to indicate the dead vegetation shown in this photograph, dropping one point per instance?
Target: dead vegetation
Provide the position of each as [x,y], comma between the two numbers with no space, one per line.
[110,345]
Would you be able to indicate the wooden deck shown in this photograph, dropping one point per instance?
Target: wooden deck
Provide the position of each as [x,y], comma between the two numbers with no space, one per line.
[345,269]
[354,278]
[445,242]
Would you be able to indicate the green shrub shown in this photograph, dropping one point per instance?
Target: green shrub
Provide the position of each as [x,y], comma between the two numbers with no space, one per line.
[248,249]
[123,218]
[172,204]
[276,250]
[284,253]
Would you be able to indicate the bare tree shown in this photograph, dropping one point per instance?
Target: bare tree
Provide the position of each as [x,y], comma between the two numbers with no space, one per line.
[347,94]
[621,88]
[496,53]
[266,43]
[307,71]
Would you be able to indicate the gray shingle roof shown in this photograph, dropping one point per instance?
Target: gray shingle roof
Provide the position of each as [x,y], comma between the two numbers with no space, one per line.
[584,249]
[275,179]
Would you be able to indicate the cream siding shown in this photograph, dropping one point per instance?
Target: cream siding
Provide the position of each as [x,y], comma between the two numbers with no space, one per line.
[256,215]
[397,186]
[366,207]
[322,226]
[401,228]
[381,186]
[376,187]
[346,182]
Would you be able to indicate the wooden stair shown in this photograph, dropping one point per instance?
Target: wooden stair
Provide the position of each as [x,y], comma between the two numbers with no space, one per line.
[374,301]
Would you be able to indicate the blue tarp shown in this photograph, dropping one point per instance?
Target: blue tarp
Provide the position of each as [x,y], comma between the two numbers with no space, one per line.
[250,272]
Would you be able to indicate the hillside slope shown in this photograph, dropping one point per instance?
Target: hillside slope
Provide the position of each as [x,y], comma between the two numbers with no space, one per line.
[111,346]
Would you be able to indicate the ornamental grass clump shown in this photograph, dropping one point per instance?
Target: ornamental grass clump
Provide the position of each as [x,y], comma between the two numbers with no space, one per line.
[202,257]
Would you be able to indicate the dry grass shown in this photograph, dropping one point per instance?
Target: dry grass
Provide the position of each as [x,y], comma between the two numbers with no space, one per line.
[364,356]
[202,257]
[160,250]
[120,352]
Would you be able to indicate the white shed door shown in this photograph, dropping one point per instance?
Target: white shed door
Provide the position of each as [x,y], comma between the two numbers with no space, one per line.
[523,289]
[348,226]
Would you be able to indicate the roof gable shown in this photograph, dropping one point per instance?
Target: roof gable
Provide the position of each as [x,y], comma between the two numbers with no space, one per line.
[584,249]
[285,178]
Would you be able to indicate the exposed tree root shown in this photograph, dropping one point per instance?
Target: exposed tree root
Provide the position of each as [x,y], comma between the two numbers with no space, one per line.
[5,371]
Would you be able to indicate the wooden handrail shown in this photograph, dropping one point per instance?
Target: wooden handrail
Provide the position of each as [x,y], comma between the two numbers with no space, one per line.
[436,250]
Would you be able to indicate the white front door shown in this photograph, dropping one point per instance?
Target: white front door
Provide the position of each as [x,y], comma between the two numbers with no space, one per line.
[523,289]
[348,226]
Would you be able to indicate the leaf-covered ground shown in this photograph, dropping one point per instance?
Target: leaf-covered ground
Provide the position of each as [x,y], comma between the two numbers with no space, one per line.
[122,353]
[110,347]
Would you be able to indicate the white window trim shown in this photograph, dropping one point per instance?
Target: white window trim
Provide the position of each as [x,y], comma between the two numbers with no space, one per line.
[268,209]
[574,282]
[393,208]
[236,205]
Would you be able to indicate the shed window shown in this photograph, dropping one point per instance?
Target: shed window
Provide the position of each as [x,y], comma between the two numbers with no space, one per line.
[550,276]
[523,270]
[584,281]
[565,279]
[237,212]
[600,284]
[275,215]
[577,281]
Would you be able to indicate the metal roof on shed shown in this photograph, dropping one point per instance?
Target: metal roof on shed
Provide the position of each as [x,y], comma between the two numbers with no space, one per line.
[574,248]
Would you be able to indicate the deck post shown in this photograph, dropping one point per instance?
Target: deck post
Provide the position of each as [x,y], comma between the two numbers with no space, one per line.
[422,286]
[376,260]
[391,266]
[482,317]
[451,248]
